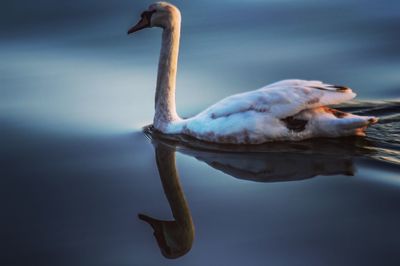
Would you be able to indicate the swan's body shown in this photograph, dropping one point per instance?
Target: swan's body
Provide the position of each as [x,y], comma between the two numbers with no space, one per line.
[285,110]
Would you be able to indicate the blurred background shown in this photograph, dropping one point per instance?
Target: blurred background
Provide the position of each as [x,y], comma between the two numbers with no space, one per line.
[72,64]
[76,168]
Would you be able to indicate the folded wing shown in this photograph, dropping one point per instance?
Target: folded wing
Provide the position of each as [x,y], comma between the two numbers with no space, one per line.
[282,99]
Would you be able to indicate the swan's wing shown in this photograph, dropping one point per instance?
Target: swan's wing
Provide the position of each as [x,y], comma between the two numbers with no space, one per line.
[282,99]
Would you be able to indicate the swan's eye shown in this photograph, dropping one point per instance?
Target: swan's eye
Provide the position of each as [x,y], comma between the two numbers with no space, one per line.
[147,14]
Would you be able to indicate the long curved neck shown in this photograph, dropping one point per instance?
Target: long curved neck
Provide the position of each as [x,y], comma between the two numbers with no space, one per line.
[165,108]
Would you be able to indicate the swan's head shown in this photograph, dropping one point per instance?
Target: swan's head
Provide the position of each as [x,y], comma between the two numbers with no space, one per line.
[160,14]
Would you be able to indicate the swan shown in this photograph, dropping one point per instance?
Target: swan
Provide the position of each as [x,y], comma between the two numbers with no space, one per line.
[286,110]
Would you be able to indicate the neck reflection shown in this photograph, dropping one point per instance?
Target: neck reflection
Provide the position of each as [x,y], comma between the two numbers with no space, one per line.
[175,237]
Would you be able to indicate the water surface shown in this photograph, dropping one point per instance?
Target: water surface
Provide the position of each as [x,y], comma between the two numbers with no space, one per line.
[77,168]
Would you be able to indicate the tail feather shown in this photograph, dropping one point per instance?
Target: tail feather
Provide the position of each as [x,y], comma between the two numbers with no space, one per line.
[354,121]
[331,122]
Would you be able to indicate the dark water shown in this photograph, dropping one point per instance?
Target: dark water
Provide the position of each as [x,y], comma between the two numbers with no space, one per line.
[77,169]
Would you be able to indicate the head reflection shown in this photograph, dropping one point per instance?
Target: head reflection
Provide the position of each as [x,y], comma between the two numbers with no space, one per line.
[275,162]
[175,237]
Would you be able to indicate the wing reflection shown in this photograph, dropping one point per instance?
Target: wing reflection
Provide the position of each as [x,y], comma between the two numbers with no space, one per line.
[272,162]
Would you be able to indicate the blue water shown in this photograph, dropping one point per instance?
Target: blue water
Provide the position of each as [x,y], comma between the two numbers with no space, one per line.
[77,168]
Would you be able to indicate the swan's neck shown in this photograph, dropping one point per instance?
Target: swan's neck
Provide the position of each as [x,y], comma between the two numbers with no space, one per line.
[165,108]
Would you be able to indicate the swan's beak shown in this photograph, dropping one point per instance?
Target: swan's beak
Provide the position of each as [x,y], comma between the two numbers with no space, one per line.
[144,22]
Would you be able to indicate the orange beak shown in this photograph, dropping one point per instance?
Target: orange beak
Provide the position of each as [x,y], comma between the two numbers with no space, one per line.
[144,22]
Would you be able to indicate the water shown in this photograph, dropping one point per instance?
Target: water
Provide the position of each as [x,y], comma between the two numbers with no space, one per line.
[77,168]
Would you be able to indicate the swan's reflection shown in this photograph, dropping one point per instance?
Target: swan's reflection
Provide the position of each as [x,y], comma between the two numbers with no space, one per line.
[271,163]
[174,238]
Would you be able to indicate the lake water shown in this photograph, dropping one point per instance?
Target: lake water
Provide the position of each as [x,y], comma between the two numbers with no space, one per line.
[78,170]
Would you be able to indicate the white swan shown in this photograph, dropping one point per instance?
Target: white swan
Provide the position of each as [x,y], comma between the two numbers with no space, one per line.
[285,110]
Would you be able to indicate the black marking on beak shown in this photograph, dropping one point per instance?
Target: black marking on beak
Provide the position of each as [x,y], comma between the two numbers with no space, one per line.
[144,22]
